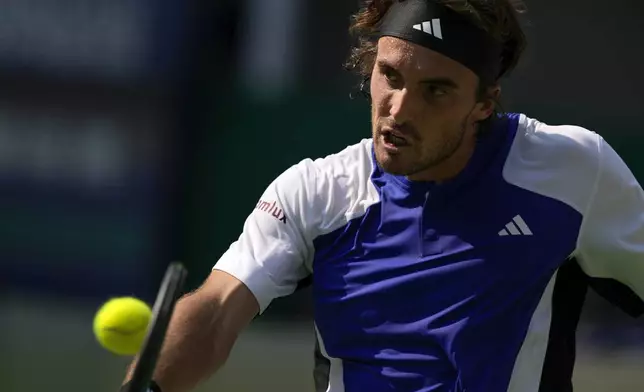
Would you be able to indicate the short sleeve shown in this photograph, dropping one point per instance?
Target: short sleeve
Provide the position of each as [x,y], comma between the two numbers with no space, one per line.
[272,253]
[611,240]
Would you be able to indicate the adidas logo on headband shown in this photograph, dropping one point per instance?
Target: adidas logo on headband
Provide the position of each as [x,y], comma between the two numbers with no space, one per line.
[465,42]
[432,27]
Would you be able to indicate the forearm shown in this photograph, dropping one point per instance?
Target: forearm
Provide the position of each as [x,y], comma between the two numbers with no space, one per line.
[195,345]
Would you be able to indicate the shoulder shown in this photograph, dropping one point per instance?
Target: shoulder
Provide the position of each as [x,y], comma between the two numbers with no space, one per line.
[344,184]
[334,188]
[351,161]
[557,161]
[540,142]
[314,174]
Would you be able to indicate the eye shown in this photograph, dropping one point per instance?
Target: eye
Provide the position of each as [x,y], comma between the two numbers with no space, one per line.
[390,75]
[435,91]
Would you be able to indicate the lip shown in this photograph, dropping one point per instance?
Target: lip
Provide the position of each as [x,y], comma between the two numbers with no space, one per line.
[390,147]
[384,131]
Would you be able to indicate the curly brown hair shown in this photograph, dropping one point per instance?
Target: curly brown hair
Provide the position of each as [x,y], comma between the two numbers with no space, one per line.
[499,18]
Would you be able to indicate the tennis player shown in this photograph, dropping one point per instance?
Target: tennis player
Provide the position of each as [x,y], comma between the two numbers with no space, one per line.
[449,252]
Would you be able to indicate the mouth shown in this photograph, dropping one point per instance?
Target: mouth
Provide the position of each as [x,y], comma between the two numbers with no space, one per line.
[393,140]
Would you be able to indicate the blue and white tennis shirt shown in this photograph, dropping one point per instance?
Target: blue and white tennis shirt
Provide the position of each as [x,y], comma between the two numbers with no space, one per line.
[475,284]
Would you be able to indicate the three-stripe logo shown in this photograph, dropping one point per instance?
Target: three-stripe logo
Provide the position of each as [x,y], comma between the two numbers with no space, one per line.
[431,27]
[516,226]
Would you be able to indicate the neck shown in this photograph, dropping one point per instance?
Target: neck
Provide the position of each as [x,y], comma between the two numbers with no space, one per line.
[452,166]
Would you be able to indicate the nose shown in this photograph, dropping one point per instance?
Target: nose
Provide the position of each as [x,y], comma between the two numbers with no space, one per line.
[399,106]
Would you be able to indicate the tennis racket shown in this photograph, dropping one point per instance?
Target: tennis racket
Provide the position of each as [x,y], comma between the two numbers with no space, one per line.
[167,297]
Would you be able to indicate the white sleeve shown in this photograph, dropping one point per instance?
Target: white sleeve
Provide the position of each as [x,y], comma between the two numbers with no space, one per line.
[611,239]
[272,253]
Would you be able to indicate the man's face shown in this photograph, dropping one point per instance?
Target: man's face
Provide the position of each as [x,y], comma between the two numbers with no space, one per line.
[423,107]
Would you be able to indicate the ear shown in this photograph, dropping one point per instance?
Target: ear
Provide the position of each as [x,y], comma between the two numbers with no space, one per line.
[485,107]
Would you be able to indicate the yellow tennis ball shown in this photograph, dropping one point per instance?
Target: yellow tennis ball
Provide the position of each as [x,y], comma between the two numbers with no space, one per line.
[121,324]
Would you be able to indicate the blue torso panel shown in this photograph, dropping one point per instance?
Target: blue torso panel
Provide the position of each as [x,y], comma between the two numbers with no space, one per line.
[434,287]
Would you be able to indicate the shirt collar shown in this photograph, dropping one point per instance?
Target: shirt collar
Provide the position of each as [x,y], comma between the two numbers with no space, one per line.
[487,145]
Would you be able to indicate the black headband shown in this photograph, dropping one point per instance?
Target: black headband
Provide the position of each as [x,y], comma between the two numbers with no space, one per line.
[441,29]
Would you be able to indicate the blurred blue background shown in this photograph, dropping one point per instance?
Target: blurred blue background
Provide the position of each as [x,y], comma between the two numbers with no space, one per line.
[134,133]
